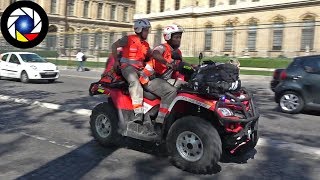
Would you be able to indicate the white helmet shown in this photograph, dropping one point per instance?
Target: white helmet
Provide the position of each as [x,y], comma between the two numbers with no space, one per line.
[139,24]
[174,28]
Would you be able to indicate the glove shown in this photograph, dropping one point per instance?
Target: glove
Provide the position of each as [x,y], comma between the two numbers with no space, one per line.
[172,66]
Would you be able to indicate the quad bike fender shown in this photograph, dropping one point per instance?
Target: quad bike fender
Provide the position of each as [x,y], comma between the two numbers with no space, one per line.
[193,99]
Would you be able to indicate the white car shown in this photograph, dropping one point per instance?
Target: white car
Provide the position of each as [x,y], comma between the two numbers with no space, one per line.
[27,66]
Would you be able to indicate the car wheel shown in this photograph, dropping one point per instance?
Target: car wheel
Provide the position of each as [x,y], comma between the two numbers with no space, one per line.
[194,145]
[24,77]
[291,102]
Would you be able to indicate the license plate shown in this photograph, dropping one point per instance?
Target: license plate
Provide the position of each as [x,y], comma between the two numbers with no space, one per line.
[49,73]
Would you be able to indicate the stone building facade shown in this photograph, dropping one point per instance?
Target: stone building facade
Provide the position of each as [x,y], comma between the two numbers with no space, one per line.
[87,24]
[262,28]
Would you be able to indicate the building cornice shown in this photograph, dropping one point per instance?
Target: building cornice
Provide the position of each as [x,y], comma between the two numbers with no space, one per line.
[71,19]
[195,12]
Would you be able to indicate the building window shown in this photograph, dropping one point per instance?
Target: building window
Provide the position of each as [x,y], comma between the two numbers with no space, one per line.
[232,2]
[228,37]
[113,12]
[148,6]
[161,5]
[212,3]
[85,9]
[125,14]
[277,35]
[252,36]
[69,41]
[177,5]
[70,8]
[157,38]
[111,39]
[100,6]
[98,40]
[307,34]
[84,39]
[53,8]
[52,37]
[208,38]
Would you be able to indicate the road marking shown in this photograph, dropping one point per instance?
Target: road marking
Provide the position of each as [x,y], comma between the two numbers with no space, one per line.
[47,140]
[85,112]
[266,142]
[83,77]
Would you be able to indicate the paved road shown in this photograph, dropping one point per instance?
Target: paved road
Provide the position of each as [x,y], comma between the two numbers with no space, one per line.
[41,143]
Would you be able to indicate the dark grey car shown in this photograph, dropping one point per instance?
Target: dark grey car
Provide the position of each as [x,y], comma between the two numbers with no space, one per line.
[299,86]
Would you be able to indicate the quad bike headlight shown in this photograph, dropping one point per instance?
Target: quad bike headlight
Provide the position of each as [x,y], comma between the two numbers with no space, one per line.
[225,112]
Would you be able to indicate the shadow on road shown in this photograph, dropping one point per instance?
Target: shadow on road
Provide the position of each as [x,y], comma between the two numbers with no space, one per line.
[72,165]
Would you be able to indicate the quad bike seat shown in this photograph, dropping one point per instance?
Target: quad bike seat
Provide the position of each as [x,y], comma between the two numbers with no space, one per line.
[149,95]
[124,85]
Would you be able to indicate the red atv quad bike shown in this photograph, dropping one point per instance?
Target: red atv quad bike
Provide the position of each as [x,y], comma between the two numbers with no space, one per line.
[202,123]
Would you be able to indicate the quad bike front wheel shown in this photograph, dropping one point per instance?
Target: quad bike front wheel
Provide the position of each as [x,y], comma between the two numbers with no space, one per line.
[104,124]
[194,145]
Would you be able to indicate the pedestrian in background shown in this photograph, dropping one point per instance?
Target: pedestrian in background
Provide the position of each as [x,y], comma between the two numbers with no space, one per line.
[80,57]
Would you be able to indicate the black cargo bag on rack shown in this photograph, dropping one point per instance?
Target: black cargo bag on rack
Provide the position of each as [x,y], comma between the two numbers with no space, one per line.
[216,78]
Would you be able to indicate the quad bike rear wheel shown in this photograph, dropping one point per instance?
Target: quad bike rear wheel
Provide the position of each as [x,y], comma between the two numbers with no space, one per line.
[104,124]
[194,145]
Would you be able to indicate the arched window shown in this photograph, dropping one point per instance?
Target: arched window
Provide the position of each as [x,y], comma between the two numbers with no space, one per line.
[111,39]
[252,35]
[69,41]
[278,27]
[228,41]
[98,39]
[52,37]
[84,39]
[307,34]
[208,37]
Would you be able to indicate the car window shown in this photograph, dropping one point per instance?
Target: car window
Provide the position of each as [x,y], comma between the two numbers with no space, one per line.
[4,57]
[14,59]
[32,58]
[312,65]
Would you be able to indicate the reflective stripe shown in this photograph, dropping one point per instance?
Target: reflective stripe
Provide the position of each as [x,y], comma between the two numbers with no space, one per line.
[149,68]
[147,73]
[131,61]
[143,79]
[163,110]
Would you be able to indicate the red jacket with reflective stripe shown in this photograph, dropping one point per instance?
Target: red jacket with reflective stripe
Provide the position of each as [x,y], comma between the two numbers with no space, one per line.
[154,66]
[135,50]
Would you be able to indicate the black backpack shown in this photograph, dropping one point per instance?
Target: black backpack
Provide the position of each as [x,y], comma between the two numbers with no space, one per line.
[220,78]
[84,58]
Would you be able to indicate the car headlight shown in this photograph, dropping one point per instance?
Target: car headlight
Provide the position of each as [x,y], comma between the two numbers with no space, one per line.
[33,67]
[225,112]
